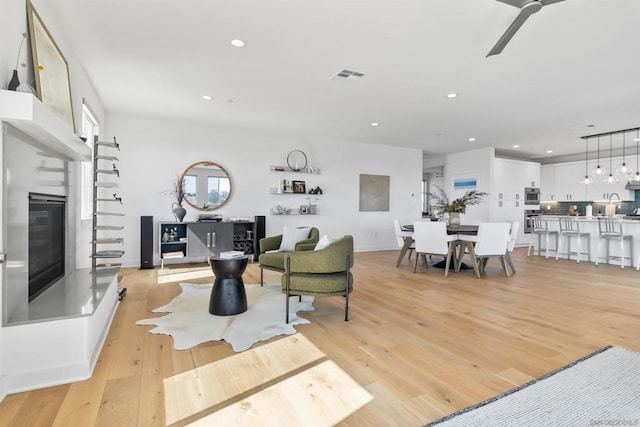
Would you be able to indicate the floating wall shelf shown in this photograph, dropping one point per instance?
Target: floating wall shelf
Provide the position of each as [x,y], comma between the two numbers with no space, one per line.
[26,113]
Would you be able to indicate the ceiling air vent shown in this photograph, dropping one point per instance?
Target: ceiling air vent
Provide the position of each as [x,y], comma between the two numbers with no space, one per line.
[348,75]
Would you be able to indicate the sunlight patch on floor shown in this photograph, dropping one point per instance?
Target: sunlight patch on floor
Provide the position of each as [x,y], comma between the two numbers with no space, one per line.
[287,382]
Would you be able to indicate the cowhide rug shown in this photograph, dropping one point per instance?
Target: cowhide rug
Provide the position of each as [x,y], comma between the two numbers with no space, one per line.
[189,321]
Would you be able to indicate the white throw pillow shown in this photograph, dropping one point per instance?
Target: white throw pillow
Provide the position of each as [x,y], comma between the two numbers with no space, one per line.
[291,236]
[324,242]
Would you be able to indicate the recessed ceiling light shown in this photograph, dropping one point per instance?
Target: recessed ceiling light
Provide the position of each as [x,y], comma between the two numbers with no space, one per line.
[452,95]
[207,97]
[472,139]
[590,126]
[238,43]
[375,124]
[549,151]
[516,146]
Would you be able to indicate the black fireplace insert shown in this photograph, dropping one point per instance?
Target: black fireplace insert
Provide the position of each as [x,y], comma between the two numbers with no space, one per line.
[46,241]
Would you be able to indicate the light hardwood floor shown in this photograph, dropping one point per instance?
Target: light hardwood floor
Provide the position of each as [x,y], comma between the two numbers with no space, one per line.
[422,344]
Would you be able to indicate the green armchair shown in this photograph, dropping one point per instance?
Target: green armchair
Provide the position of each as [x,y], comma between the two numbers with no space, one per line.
[275,260]
[326,272]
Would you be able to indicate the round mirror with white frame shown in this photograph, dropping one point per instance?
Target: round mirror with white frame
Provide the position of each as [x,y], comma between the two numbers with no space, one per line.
[207,186]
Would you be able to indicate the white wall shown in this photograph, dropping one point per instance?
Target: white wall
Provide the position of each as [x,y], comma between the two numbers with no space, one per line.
[475,163]
[154,150]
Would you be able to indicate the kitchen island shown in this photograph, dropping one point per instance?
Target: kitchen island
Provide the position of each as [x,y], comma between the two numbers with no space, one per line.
[590,225]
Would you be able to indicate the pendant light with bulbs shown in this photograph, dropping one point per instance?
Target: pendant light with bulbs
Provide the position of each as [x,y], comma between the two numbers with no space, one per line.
[598,172]
[611,178]
[622,168]
[635,179]
[587,179]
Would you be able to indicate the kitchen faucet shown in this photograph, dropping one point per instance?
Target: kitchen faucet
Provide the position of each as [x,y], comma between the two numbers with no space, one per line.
[611,203]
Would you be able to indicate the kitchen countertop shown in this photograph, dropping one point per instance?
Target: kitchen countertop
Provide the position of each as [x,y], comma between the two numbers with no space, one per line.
[594,218]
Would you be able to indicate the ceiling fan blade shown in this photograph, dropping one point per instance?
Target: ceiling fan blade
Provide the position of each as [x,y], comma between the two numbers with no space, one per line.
[548,2]
[516,3]
[511,31]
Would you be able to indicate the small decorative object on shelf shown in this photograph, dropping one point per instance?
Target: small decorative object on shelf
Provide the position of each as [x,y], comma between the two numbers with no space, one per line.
[313,205]
[174,254]
[316,190]
[178,211]
[297,160]
[15,82]
[304,209]
[299,187]
[279,210]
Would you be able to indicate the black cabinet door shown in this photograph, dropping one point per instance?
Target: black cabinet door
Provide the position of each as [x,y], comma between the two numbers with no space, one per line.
[209,238]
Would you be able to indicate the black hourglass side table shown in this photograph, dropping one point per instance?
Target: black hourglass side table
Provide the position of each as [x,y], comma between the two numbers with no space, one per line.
[228,295]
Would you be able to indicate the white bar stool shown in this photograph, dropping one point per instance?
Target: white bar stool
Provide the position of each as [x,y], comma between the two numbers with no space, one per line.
[611,229]
[571,229]
[539,227]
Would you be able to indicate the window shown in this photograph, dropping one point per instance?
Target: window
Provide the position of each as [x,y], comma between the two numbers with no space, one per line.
[90,128]
[218,189]
[190,191]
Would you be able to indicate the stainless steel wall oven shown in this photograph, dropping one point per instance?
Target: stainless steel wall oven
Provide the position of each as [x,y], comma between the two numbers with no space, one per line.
[531,196]
[528,213]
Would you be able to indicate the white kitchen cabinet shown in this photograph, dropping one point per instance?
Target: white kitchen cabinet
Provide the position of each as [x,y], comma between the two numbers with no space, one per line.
[510,177]
[507,203]
[562,182]
[547,183]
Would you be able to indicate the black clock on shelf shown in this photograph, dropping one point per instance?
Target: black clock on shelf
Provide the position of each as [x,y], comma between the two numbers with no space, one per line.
[297,160]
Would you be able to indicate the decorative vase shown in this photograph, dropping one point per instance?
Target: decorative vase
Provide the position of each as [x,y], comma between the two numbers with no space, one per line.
[179,212]
[15,82]
[454,219]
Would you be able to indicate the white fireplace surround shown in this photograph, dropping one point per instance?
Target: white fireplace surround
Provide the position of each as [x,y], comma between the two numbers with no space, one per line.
[57,337]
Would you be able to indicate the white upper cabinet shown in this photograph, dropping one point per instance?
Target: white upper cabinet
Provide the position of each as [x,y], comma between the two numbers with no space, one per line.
[568,187]
[511,177]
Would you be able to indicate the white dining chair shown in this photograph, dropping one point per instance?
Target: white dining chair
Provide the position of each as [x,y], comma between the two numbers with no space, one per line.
[405,241]
[431,238]
[492,240]
[513,237]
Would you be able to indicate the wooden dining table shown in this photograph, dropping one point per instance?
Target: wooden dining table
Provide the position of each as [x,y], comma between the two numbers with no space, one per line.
[451,229]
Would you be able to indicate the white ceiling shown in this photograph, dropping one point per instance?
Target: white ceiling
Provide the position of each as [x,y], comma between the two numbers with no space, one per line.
[573,64]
